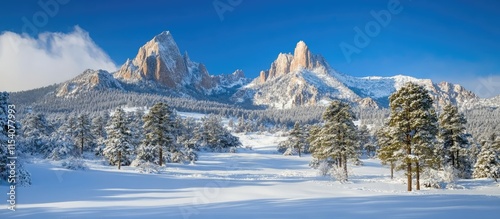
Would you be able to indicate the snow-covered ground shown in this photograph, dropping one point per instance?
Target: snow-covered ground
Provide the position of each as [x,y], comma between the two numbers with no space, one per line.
[253,183]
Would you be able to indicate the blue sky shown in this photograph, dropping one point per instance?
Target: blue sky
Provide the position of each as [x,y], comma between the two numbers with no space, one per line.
[456,41]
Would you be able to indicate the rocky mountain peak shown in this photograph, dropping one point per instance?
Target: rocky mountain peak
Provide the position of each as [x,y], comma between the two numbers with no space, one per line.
[164,36]
[159,61]
[302,57]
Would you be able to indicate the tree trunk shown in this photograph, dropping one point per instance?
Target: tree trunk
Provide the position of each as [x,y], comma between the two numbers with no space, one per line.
[452,159]
[345,168]
[408,168]
[161,156]
[418,175]
[81,146]
[119,159]
[392,169]
[408,174]
[299,151]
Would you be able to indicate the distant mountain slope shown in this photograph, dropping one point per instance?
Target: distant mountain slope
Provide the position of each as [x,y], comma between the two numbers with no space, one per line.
[89,80]
[307,79]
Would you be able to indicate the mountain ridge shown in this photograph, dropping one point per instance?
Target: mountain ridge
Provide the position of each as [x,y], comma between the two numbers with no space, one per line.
[307,79]
[299,79]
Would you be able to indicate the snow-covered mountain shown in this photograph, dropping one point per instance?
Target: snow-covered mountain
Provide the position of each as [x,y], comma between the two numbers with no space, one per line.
[303,78]
[158,67]
[160,61]
[89,80]
[298,79]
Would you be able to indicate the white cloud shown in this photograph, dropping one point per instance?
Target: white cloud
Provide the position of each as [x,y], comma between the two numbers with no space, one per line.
[27,63]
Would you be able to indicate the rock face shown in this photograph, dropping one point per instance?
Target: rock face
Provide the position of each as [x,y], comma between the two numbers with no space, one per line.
[160,61]
[307,79]
[89,80]
[302,58]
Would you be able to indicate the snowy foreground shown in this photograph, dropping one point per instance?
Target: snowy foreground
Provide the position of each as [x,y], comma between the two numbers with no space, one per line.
[255,183]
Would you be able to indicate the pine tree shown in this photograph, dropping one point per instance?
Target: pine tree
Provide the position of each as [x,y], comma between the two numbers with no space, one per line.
[296,142]
[414,125]
[214,136]
[7,122]
[36,131]
[83,132]
[488,161]
[4,98]
[159,134]
[99,132]
[337,139]
[388,148]
[136,123]
[364,139]
[118,147]
[454,139]
[241,126]
[63,145]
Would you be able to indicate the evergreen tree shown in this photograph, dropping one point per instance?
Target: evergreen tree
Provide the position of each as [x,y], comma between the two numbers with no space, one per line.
[7,122]
[454,139]
[388,148]
[99,132]
[36,131]
[214,136]
[488,161]
[337,139]
[63,145]
[296,142]
[159,134]
[4,112]
[83,133]
[118,146]
[241,126]
[364,139]
[414,126]
[136,123]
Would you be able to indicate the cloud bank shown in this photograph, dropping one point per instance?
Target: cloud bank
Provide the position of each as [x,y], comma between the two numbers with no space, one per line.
[27,63]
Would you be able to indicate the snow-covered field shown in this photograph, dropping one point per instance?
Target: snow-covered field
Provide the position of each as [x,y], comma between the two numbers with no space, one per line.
[253,183]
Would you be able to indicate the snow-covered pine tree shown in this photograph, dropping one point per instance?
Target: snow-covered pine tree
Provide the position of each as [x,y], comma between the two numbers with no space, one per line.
[414,125]
[36,131]
[488,161]
[23,177]
[99,132]
[4,98]
[296,141]
[158,134]
[337,139]
[135,124]
[230,124]
[454,140]
[388,148]
[241,126]
[63,145]
[118,147]
[215,136]
[364,139]
[83,133]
